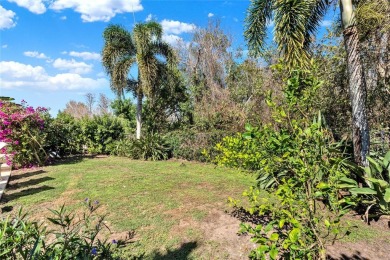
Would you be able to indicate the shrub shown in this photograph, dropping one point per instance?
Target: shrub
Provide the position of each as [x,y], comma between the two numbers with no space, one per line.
[65,135]
[100,131]
[376,179]
[74,237]
[193,145]
[150,147]
[297,161]
[22,127]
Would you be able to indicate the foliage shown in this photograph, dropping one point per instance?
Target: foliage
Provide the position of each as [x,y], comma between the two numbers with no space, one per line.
[293,224]
[145,47]
[74,237]
[124,109]
[194,145]
[376,179]
[296,23]
[100,131]
[149,147]
[64,135]
[20,238]
[299,162]
[22,128]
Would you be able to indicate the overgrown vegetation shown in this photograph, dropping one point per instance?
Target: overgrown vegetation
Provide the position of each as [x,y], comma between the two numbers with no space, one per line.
[311,120]
[71,236]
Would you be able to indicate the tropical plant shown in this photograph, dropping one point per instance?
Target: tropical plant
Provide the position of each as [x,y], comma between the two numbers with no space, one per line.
[144,47]
[22,128]
[71,236]
[376,177]
[100,131]
[295,24]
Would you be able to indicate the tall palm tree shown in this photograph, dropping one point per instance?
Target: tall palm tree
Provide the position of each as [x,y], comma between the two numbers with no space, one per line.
[143,47]
[296,22]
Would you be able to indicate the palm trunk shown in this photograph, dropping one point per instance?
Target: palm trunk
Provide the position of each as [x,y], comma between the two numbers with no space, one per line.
[357,85]
[139,114]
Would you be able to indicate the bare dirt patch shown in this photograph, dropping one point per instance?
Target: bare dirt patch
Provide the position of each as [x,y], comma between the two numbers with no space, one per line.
[217,233]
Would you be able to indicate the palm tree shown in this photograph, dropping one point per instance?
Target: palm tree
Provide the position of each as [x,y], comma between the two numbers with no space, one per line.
[146,49]
[296,22]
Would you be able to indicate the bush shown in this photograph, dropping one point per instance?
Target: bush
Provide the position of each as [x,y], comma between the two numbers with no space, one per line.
[65,135]
[100,131]
[150,147]
[22,128]
[298,162]
[192,145]
[74,237]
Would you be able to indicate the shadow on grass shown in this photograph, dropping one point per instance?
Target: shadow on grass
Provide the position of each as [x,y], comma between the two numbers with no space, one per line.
[71,159]
[356,256]
[26,175]
[181,253]
[31,182]
[74,159]
[26,192]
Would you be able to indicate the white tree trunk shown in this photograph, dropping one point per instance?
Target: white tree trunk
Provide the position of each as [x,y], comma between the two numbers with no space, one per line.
[139,114]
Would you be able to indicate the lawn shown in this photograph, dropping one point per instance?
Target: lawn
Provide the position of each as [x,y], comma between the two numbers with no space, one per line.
[177,209]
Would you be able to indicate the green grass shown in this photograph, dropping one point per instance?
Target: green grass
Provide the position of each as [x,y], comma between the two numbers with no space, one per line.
[152,198]
[168,204]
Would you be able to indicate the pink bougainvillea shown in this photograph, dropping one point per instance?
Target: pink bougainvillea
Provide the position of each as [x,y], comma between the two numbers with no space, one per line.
[21,127]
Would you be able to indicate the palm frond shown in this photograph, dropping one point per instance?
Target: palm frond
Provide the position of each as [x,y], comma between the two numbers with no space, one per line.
[166,51]
[117,56]
[291,17]
[258,15]
[319,9]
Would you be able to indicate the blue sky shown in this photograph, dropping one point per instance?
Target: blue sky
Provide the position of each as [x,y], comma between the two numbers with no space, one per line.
[50,49]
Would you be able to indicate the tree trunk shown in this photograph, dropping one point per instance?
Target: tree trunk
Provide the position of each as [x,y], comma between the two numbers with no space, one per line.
[357,85]
[139,114]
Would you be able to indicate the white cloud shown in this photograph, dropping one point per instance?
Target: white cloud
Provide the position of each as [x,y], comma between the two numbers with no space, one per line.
[172,39]
[72,66]
[99,10]
[16,70]
[326,23]
[18,75]
[63,17]
[210,15]
[34,6]
[85,55]
[176,27]
[35,54]
[235,19]
[4,46]
[6,18]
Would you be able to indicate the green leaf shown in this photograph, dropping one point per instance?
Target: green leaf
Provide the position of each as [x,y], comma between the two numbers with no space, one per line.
[327,223]
[273,253]
[383,184]
[274,237]
[348,180]
[323,186]
[386,160]
[294,235]
[387,195]
[366,191]
[375,164]
[281,223]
